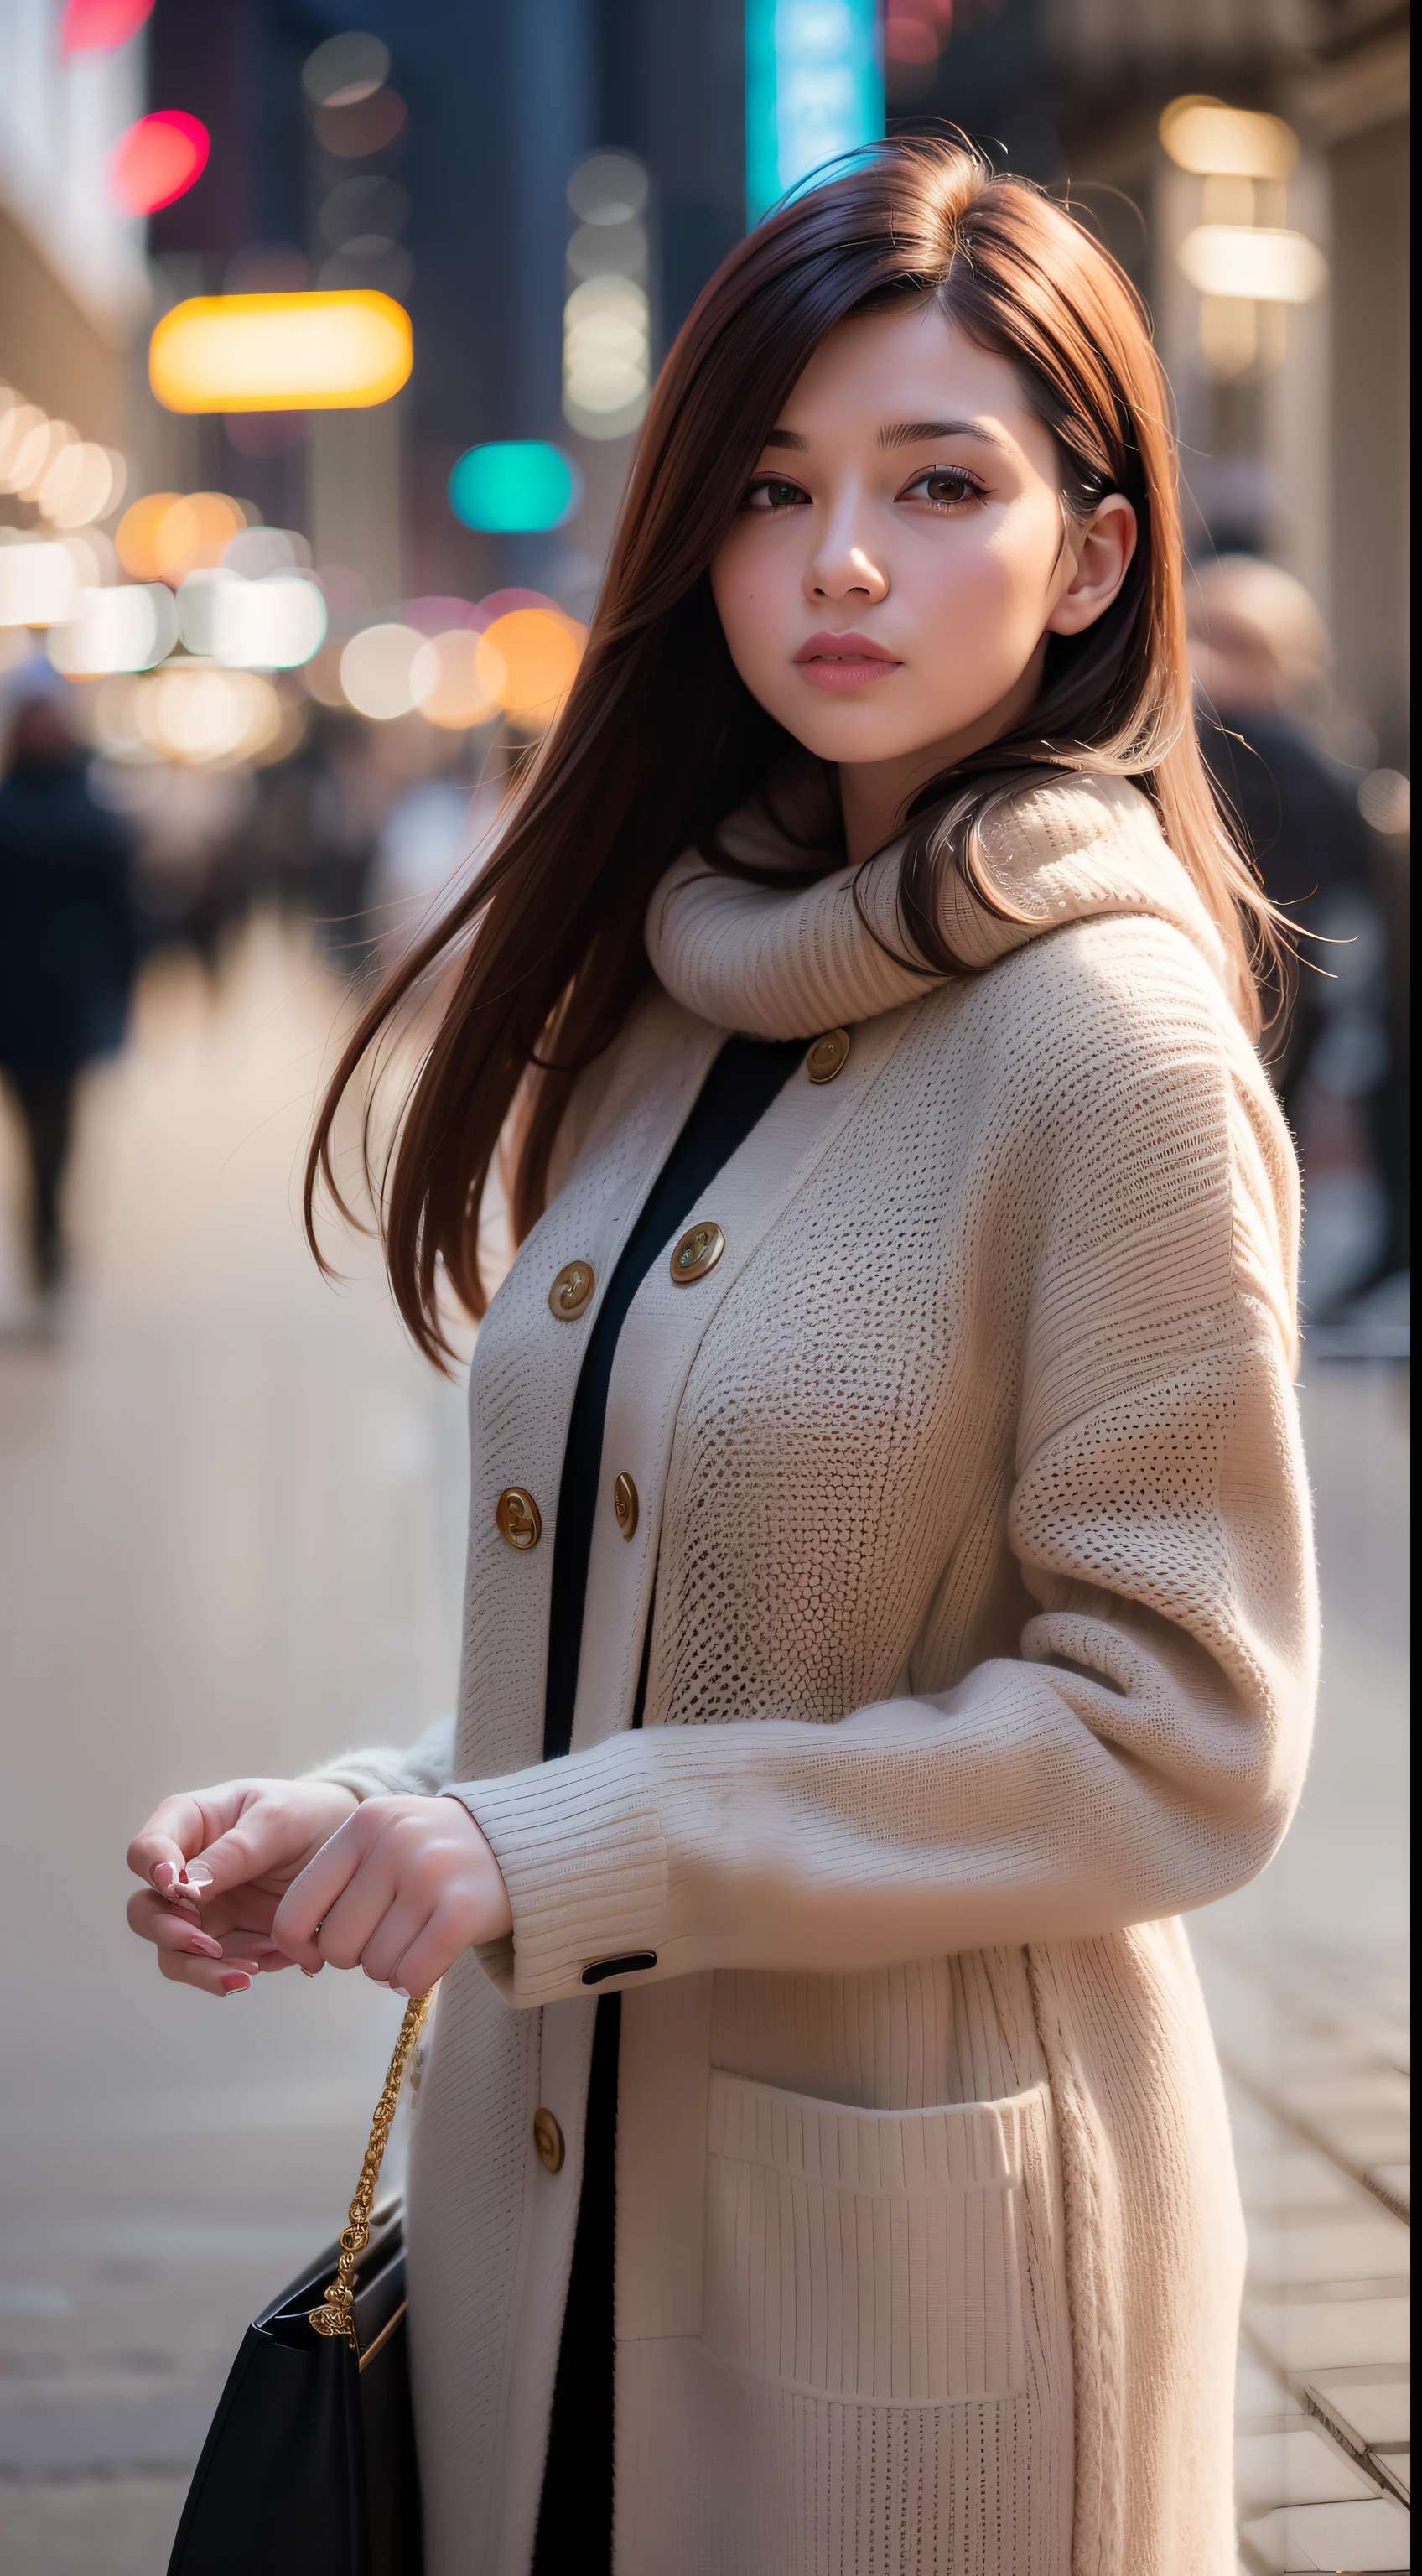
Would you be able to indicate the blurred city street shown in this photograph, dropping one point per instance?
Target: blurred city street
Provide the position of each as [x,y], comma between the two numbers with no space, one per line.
[231,1527]
[324,351]
[231,1537]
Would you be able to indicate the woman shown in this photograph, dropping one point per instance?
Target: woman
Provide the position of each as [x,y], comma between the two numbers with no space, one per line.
[889,1589]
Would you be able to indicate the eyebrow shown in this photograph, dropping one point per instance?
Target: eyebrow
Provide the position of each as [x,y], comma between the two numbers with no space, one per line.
[914,433]
[899,433]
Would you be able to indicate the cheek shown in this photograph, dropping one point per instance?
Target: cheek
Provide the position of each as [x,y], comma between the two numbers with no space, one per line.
[743,586]
[755,599]
[983,605]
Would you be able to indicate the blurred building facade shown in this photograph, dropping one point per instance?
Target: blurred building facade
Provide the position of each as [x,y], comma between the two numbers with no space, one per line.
[461,212]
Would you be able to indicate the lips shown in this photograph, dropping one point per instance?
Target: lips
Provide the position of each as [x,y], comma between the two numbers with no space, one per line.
[844,661]
[850,647]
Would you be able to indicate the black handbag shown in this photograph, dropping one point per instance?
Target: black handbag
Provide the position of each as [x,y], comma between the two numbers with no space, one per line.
[309,2468]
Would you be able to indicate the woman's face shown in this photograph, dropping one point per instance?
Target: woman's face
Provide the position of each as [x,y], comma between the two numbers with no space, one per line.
[902,555]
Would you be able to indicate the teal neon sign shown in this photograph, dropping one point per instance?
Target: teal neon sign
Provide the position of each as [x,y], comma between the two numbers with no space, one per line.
[814,88]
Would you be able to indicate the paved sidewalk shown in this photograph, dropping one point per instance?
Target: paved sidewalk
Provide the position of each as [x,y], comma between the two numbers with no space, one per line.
[1306,1972]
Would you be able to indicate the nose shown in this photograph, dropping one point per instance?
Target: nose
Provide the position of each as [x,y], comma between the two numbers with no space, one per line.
[843,564]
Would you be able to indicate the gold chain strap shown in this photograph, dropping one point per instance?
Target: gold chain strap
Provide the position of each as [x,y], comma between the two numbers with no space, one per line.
[336,2315]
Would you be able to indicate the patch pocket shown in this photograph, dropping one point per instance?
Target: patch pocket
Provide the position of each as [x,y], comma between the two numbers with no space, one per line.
[875,2256]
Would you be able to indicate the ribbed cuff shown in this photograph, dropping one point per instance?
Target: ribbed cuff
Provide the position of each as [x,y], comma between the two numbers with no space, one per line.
[580,1846]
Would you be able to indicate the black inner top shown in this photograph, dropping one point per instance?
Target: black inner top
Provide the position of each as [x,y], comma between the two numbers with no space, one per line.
[575,2516]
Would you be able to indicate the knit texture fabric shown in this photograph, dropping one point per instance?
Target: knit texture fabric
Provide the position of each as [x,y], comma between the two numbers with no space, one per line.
[983,1644]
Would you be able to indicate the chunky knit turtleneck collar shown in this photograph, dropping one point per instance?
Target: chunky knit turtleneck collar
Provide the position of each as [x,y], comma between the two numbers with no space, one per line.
[776,963]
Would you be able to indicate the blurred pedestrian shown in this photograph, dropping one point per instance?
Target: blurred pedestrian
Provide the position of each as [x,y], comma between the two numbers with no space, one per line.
[67,942]
[1261,657]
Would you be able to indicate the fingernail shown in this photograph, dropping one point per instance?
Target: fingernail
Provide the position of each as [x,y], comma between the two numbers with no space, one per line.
[163,1876]
[195,1875]
[203,1946]
[235,1985]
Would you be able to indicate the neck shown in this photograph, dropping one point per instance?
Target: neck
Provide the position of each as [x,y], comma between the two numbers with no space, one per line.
[876,794]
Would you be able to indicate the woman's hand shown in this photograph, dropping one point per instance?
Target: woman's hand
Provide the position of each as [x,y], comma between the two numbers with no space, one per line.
[400,1890]
[216,1865]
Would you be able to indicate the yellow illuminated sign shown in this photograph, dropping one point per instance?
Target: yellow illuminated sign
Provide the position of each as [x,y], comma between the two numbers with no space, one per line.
[312,352]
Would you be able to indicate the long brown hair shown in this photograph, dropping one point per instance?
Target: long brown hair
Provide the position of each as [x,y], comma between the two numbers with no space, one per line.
[659,739]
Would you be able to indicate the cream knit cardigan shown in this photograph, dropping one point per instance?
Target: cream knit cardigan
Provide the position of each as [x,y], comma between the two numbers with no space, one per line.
[983,1644]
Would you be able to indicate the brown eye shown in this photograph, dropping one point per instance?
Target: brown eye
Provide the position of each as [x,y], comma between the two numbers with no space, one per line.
[943,486]
[773,494]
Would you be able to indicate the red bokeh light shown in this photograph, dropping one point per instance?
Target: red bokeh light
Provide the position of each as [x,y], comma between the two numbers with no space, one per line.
[910,38]
[157,160]
[101,26]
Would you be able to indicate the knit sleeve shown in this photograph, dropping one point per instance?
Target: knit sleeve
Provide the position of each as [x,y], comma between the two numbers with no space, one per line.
[1141,1752]
[418,1770]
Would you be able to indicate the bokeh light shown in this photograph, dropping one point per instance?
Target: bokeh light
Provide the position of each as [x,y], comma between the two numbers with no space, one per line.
[910,36]
[133,537]
[195,532]
[1253,261]
[38,580]
[500,603]
[346,69]
[323,351]
[82,483]
[322,677]
[165,535]
[602,250]
[271,624]
[607,359]
[352,129]
[606,356]
[515,485]
[458,678]
[540,650]
[126,629]
[255,552]
[194,712]
[1215,141]
[29,443]
[158,160]
[608,188]
[377,670]
[437,611]
[1385,801]
[101,26]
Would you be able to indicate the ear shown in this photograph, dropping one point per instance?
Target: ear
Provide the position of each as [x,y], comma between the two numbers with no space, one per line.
[1103,559]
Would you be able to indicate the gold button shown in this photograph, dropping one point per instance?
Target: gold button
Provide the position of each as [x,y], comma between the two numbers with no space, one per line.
[571,1290]
[548,2139]
[624,1503]
[517,1517]
[829,1055]
[699,1250]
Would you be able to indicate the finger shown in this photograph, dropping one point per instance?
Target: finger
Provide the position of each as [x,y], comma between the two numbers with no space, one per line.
[398,1928]
[147,1909]
[313,1895]
[256,1841]
[357,1914]
[210,1976]
[176,1829]
[432,1953]
[170,1928]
